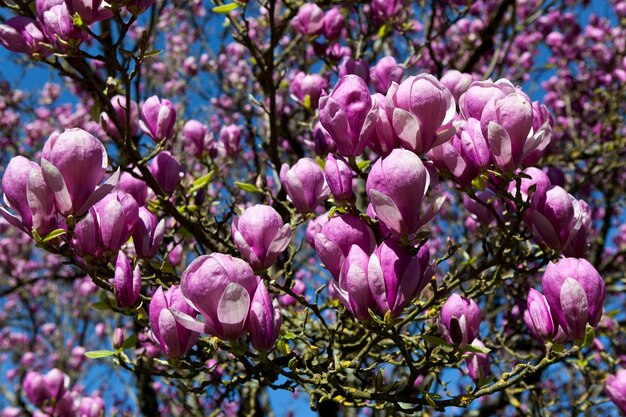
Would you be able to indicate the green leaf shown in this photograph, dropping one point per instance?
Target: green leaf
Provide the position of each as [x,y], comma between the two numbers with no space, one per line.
[247,187]
[289,336]
[590,334]
[434,340]
[201,182]
[101,305]
[77,20]
[476,349]
[225,8]
[129,342]
[363,165]
[54,234]
[97,354]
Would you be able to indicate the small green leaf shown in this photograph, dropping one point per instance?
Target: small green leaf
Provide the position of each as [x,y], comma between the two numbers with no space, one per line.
[129,342]
[54,234]
[289,336]
[247,187]
[283,346]
[77,20]
[476,349]
[101,305]
[306,102]
[97,354]
[590,334]
[434,340]
[363,165]
[225,8]
[201,182]
[382,31]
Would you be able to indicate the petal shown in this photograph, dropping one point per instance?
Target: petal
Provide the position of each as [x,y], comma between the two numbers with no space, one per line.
[233,308]
[187,321]
[54,180]
[387,211]
[500,146]
[100,193]
[407,128]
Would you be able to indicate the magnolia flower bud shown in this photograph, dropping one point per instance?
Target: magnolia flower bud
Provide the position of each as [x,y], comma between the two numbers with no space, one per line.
[148,233]
[307,88]
[260,235]
[309,20]
[195,135]
[117,215]
[91,407]
[264,319]
[348,115]
[134,186]
[158,118]
[384,73]
[396,277]
[305,184]
[333,23]
[575,293]
[538,317]
[120,107]
[385,139]
[73,164]
[127,282]
[457,82]
[459,320]
[337,237]
[338,177]
[221,288]
[615,387]
[230,139]
[556,217]
[356,67]
[23,35]
[396,186]
[478,363]
[423,110]
[352,287]
[166,170]
[174,339]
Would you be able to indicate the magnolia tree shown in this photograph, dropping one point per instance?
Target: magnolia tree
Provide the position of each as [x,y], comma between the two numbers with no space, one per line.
[383,207]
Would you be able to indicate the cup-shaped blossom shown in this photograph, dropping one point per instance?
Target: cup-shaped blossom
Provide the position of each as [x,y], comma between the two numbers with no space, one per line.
[349,115]
[23,35]
[575,293]
[120,108]
[166,170]
[352,288]
[174,339]
[86,239]
[50,387]
[396,186]
[384,140]
[57,23]
[556,217]
[221,288]
[26,192]
[542,134]
[307,88]
[126,282]
[91,407]
[478,363]
[615,387]
[457,82]
[323,142]
[358,67]
[473,101]
[466,155]
[396,276]
[538,317]
[459,320]
[538,180]
[422,112]
[117,216]
[134,186]
[507,124]
[90,11]
[337,237]
[333,23]
[385,72]
[260,235]
[148,233]
[309,20]
[264,319]
[386,9]
[230,139]
[305,184]
[195,135]
[158,118]
[578,244]
[73,164]
[338,177]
